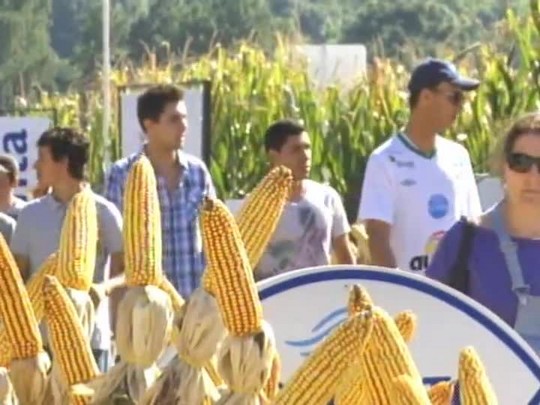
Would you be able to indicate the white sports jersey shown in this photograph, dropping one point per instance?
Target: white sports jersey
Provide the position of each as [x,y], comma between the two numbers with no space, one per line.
[420,196]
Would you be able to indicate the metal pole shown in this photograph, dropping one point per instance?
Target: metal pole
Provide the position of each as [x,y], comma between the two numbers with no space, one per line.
[106,80]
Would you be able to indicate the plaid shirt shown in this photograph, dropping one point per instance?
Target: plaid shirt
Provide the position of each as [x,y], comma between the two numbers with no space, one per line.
[183,260]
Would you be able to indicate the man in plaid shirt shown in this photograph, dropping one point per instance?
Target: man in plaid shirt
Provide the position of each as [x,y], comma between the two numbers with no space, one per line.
[183,181]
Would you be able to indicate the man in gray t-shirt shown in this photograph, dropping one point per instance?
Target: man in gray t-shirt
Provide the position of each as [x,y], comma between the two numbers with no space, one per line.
[62,155]
[7,226]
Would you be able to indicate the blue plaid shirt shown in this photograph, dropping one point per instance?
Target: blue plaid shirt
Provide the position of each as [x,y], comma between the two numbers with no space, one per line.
[183,260]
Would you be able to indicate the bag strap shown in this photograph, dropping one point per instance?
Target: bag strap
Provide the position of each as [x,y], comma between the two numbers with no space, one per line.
[459,276]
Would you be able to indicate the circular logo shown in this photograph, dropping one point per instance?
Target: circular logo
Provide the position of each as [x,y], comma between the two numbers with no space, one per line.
[438,206]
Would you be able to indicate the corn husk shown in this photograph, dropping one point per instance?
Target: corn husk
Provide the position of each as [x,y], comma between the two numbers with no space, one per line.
[186,380]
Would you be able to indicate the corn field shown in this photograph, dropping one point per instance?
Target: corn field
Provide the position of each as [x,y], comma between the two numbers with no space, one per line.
[250,89]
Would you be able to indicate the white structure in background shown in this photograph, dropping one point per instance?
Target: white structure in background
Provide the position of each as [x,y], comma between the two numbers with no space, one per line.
[339,64]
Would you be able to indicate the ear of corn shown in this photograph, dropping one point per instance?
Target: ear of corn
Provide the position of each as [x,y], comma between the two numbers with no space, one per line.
[359,300]
[318,377]
[142,226]
[18,317]
[261,211]
[78,242]
[35,293]
[441,393]
[228,264]
[70,347]
[408,391]
[474,385]
[386,357]
[406,324]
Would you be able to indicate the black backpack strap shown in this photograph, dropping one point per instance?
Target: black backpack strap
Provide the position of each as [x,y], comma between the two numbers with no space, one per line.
[459,275]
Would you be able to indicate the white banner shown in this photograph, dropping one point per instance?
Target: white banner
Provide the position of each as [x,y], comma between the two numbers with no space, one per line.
[304,306]
[19,137]
[133,135]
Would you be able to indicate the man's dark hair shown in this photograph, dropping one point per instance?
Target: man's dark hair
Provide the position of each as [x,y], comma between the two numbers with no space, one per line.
[151,104]
[69,144]
[11,168]
[277,134]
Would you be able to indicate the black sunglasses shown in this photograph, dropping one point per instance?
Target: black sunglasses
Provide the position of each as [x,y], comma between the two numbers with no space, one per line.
[522,163]
[455,97]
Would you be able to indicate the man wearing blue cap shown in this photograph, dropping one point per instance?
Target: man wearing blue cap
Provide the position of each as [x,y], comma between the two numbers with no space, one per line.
[417,183]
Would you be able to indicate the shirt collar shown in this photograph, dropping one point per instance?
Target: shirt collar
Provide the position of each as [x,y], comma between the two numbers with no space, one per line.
[181,157]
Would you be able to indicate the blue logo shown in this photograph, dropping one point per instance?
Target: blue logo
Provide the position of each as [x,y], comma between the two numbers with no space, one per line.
[438,206]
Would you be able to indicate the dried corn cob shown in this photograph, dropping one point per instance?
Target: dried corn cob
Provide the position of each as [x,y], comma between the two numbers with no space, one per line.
[408,391]
[78,242]
[266,201]
[474,385]
[406,324]
[352,390]
[34,291]
[228,263]
[69,343]
[318,377]
[142,226]
[441,393]
[386,357]
[19,321]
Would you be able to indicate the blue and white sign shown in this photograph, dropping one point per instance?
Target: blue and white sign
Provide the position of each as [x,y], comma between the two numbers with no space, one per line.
[304,306]
[19,136]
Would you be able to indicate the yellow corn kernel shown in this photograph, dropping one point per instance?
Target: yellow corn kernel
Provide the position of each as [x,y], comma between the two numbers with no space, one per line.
[234,286]
[386,357]
[34,290]
[70,347]
[318,377]
[176,299]
[474,385]
[18,317]
[142,226]
[261,211]
[441,393]
[78,242]
[271,388]
[408,391]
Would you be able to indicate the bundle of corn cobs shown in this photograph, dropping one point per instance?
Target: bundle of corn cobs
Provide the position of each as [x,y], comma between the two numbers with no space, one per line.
[223,350]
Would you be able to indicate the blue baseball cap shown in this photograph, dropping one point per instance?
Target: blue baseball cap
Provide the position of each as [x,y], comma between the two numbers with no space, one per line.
[430,72]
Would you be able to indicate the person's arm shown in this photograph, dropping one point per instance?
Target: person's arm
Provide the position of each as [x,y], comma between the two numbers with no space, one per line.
[341,244]
[20,245]
[377,212]
[474,206]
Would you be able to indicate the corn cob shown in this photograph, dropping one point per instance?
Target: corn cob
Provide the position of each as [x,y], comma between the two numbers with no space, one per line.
[228,264]
[20,323]
[386,357]
[35,294]
[408,391]
[266,201]
[441,393]
[78,242]
[359,299]
[69,344]
[474,385]
[318,377]
[142,226]
[406,324]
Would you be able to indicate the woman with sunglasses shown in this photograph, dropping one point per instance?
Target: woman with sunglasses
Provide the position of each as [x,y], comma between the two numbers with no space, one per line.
[497,261]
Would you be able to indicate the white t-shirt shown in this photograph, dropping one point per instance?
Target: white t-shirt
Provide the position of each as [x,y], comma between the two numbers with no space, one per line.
[420,196]
[303,237]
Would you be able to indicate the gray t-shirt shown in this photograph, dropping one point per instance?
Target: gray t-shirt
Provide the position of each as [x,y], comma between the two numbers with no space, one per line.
[16,207]
[7,226]
[303,237]
[37,236]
